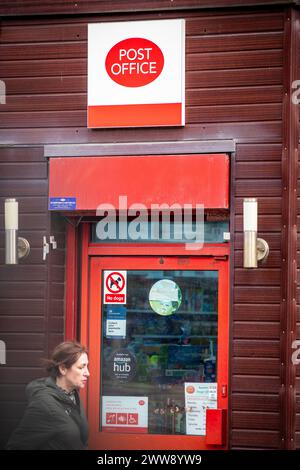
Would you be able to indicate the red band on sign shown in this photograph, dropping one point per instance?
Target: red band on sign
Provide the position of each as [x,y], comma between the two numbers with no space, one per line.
[168,114]
[134,62]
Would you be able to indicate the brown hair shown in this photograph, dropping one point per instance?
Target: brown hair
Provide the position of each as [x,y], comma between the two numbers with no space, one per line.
[66,353]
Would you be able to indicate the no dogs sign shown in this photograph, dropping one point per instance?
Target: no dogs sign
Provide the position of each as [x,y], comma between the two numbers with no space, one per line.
[115,287]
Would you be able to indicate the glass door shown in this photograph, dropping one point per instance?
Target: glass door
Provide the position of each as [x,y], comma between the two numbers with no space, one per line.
[158,350]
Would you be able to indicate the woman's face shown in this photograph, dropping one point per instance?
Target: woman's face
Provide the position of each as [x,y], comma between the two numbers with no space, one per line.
[76,376]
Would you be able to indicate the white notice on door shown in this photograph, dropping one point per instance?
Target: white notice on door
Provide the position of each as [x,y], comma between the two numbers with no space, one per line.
[198,397]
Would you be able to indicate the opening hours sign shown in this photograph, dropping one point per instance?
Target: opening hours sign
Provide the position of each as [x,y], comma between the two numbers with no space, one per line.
[136,74]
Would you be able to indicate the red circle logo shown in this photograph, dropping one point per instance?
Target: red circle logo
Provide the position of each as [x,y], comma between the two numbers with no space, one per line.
[134,62]
[141,402]
[190,389]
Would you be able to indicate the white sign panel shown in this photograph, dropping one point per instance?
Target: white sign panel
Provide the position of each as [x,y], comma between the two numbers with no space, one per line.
[136,73]
[125,414]
[198,397]
[115,287]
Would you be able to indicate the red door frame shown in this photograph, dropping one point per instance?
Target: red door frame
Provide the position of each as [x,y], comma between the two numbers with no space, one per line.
[210,256]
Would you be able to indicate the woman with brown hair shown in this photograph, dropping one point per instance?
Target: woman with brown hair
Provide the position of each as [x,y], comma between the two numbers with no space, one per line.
[54,417]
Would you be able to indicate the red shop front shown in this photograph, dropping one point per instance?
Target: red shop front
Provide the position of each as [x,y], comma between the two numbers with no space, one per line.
[151,303]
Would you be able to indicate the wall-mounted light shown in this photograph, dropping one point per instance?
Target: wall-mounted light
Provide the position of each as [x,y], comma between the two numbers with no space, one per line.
[255,249]
[15,247]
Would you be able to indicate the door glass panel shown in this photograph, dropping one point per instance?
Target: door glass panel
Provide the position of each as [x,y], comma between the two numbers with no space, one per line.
[151,359]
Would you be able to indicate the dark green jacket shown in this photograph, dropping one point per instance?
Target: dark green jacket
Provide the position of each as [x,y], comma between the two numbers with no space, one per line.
[51,420]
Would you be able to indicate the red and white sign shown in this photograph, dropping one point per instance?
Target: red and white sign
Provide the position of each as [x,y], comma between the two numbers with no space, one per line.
[136,74]
[125,414]
[134,62]
[115,287]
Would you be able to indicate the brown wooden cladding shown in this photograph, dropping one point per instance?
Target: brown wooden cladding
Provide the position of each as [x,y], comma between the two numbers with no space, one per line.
[26,321]
[290,292]
[222,96]
[206,79]
[209,23]
[234,90]
[26,7]
[256,315]
[255,348]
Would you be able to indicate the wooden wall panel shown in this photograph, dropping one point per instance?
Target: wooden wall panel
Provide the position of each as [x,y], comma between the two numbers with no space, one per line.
[23,341]
[23,188]
[255,383]
[258,132]
[28,272]
[234,95]
[253,402]
[259,152]
[24,307]
[15,392]
[22,324]
[24,375]
[265,76]
[27,7]
[255,420]
[265,277]
[68,30]
[203,114]
[297,426]
[256,366]
[258,188]
[235,42]
[221,24]
[274,259]
[23,288]
[256,313]
[257,295]
[256,330]
[23,170]
[246,439]
[56,285]
[255,348]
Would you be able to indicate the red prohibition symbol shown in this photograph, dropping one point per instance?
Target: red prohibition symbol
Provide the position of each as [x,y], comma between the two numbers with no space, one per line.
[115,282]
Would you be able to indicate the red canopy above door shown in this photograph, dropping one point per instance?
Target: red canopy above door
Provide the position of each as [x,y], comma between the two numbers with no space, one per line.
[180,179]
